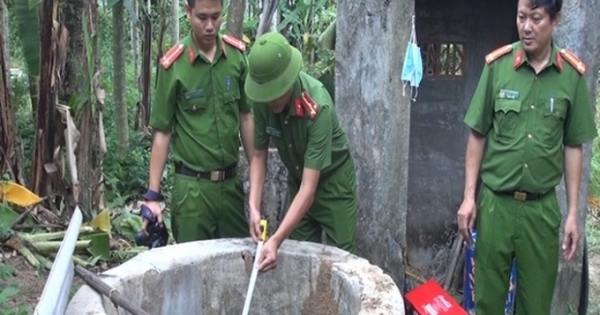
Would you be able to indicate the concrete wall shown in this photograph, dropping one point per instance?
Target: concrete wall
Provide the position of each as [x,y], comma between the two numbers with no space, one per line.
[371,41]
[579,33]
[437,133]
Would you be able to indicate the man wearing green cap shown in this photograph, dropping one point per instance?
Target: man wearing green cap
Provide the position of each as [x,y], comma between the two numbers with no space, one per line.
[200,109]
[297,113]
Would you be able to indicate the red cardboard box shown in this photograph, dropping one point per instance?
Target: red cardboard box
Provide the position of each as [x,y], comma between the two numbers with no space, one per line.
[431,299]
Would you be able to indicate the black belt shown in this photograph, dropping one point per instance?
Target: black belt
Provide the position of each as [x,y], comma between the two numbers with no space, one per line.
[215,175]
[523,195]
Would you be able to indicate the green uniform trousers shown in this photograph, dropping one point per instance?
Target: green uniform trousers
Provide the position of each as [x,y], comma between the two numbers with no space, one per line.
[527,231]
[334,210]
[202,209]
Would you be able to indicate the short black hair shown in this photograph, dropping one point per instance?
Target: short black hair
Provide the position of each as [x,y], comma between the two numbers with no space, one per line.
[192,3]
[553,7]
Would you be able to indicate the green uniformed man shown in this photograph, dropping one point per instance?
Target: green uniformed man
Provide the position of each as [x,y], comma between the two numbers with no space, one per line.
[533,107]
[200,109]
[295,111]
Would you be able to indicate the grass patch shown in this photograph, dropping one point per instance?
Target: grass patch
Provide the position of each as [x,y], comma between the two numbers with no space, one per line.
[10,288]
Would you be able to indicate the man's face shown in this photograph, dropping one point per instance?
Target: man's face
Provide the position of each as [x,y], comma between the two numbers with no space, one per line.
[278,105]
[205,20]
[535,27]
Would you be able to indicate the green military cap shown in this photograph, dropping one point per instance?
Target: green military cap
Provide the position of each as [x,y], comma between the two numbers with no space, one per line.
[273,66]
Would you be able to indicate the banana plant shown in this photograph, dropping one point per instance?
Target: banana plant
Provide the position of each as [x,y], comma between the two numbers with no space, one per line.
[300,22]
[28,26]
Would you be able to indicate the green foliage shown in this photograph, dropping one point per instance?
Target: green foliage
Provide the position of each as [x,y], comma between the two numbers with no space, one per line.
[20,91]
[10,289]
[28,28]
[126,176]
[303,24]
[6,271]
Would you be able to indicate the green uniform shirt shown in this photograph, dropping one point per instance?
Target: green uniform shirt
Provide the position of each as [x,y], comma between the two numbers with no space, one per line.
[319,143]
[200,102]
[527,119]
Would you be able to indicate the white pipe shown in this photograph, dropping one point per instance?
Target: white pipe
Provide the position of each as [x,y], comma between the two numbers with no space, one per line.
[56,291]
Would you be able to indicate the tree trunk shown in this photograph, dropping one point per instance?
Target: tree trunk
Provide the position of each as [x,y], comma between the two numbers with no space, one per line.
[235,18]
[11,153]
[44,132]
[4,34]
[269,9]
[146,53]
[135,50]
[162,22]
[28,25]
[119,77]
[89,158]
[82,85]
[71,90]
[175,21]
[72,12]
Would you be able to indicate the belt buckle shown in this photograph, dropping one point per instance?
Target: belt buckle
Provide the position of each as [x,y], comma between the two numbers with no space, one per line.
[217,176]
[521,196]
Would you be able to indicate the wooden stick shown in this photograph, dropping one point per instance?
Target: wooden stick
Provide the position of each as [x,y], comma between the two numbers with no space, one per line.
[25,213]
[20,218]
[456,249]
[100,286]
[459,270]
[38,226]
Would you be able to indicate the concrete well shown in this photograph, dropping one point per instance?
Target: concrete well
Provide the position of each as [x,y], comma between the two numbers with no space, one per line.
[209,277]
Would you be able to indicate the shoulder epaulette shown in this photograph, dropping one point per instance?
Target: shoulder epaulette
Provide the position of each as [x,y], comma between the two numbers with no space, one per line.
[169,58]
[309,105]
[573,60]
[499,52]
[236,43]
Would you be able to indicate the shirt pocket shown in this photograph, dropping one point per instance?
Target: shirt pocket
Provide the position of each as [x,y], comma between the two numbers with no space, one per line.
[194,105]
[230,100]
[232,97]
[196,117]
[506,119]
[553,119]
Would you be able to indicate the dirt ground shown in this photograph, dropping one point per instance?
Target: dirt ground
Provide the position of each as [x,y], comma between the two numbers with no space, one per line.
[28,280]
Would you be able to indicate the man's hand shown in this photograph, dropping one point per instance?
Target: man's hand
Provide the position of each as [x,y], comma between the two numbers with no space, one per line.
[268,255]
[571,237]
[254,223]
[466,218]
[154,206]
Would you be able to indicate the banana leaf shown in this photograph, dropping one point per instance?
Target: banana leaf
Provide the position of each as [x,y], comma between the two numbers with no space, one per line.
[28,26]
